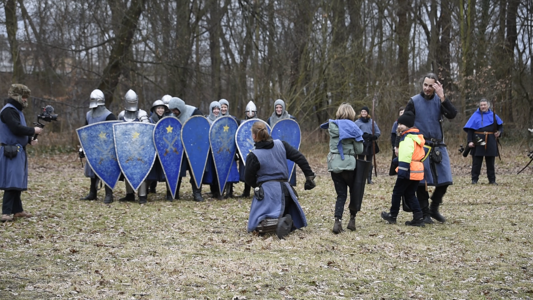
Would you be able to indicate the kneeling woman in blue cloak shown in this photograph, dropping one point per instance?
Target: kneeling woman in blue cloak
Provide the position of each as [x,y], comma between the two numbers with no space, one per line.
[275,207]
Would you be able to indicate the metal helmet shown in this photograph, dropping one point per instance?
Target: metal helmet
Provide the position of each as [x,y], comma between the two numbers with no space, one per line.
[250,107]
[17,92]
[97,99]
[156,104]
[131,101]
[166,99]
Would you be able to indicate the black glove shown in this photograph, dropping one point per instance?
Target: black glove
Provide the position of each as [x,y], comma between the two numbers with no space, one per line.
[366,136]
[309,182]
[373,137]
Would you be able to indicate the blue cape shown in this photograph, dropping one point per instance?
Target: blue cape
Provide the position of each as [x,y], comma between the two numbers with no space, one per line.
[347,130]
[479,120]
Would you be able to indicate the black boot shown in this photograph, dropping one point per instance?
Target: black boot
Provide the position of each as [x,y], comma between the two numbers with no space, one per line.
[245,191]
[388,217]
[129,197]
[92,191]
[369,177]
[416,222]
[215,194]
[108,195]
[143,199]
[152,186]
[428,220]
[434,212]
[197,193]
[337,226]
[284,226]
[169,195]
[351,223]
[229,190]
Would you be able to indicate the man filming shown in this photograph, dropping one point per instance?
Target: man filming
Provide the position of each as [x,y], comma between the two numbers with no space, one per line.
[486,126]
[14,136]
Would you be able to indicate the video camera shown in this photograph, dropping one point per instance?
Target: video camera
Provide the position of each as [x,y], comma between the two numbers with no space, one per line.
[46,115]
[477,142]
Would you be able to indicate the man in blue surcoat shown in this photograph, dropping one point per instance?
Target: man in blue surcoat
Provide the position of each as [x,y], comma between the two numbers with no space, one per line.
[429,107]
[486,126]
[14,137]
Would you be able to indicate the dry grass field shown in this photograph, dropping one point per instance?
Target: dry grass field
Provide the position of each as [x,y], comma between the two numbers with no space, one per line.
[76,249]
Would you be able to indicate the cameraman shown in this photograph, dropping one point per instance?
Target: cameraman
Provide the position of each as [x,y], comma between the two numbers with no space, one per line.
[486,126]
[14,136]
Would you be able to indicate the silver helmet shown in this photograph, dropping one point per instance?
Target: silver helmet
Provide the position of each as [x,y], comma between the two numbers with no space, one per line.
[156,104]
[97,99]
[131,101]
[251,107]
[166,99]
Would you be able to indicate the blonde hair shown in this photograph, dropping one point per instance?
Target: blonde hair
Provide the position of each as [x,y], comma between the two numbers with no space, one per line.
[260,131]
[345,111]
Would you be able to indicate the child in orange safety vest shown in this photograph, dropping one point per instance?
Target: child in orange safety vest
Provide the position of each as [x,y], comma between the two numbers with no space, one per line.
[410,171]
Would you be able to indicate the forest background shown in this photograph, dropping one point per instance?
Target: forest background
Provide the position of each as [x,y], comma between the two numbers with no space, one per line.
[314,54]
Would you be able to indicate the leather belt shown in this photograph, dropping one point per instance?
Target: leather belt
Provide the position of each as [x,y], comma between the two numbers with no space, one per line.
[486,133]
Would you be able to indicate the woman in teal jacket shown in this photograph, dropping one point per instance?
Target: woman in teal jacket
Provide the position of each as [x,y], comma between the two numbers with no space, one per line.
[345,143]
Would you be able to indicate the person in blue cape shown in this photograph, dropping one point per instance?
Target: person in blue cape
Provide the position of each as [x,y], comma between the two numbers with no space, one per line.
[345,143]
[14,137]
[275,206]
[429,107]
[483,126]
[371,133]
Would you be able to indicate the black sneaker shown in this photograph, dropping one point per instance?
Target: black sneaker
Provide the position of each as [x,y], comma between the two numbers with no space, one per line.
[387,217]
[418,223]
[284,226]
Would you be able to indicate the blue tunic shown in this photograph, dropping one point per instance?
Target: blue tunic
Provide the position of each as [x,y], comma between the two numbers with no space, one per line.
[427,119]
[273,174]
[14,171]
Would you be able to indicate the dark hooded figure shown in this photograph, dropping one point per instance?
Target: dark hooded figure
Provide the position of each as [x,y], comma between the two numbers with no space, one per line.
[275,207]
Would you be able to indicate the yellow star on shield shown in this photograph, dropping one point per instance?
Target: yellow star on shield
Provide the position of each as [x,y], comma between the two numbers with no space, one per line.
[102,135]
[226,128]
[169,129]
[136,135]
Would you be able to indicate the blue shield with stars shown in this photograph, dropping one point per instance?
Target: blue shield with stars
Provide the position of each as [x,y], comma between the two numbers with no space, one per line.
[288,130]
[195,138]
[222,139]
[134,144]
[167,142]
[98,144]
[243,138]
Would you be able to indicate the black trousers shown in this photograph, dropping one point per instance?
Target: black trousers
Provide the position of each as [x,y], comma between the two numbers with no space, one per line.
[423,197]
[405,188]
[12,203]
[477,161]
[343,181]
